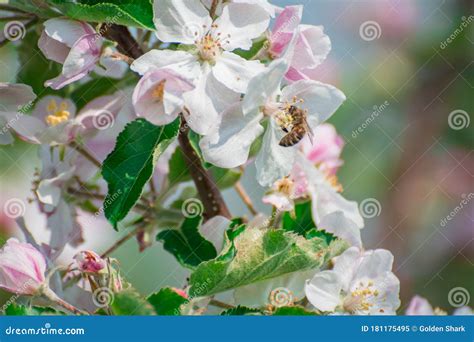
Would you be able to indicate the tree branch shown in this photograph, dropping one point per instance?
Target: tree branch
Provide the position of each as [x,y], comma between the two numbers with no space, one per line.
[126,43]
[208,191]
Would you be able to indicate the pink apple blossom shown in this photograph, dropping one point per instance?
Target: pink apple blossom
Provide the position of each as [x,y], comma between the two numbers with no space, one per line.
[310,49]
[158,96]
[22,268]
[77,46]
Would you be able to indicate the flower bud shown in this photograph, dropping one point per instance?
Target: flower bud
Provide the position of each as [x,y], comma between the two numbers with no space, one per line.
[89,262]
[22,268]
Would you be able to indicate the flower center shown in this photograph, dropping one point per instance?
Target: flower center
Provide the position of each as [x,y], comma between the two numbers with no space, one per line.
[210,45]
[285,186]
[158,91]
[360,299]
[284,112]
[57,114]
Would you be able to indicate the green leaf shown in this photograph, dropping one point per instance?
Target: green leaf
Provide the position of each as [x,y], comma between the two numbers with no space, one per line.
[167,302]
[259,254]
[293,311]
[301,221]
[38,7]
[15,309]
[240,311]
[130,303]
[257,45]
[123,12]
[187,244]
[130,165]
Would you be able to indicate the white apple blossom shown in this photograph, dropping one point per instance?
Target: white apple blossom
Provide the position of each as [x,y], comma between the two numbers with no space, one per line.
[228,143]
[219,75]
[56,174]
[361,283]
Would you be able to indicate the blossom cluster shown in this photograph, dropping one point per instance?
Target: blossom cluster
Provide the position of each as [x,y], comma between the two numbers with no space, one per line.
[200,74]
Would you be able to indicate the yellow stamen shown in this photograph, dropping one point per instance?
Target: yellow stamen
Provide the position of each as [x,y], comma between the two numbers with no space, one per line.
[159,91]
[57,114]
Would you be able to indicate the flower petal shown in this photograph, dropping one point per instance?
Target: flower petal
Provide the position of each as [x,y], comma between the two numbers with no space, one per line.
[177,21]
[321,100]
[66,31]
[228,144]
[206,101]
[264,86]
[100,112]
[312,45]
[180,61]
[84,54]
[53,49]
[14,96]
[419,306]
[240,23]
[284,28]
[235,72]
[214,230]
[338,224]
[160,111]
[324,290]
[273,161]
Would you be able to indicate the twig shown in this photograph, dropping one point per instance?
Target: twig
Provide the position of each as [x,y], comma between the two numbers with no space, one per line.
[126,43]
[245,198]
[121,241]
[219,304]
[212,11]
[100,197]
[210,195]
[8,8]
[86,154]
[48,293]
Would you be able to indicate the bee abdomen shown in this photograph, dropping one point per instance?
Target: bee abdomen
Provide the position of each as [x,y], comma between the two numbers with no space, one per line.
[293,137]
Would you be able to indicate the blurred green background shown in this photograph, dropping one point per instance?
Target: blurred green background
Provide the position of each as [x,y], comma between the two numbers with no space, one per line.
[402,77]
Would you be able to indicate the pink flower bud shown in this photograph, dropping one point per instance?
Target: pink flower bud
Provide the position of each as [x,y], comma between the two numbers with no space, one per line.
[90,262]
[22,268]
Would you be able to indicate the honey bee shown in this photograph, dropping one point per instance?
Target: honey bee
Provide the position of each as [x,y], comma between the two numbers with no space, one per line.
[299,127]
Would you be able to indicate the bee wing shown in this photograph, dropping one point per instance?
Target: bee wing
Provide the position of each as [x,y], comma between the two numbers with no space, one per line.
[309,130]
